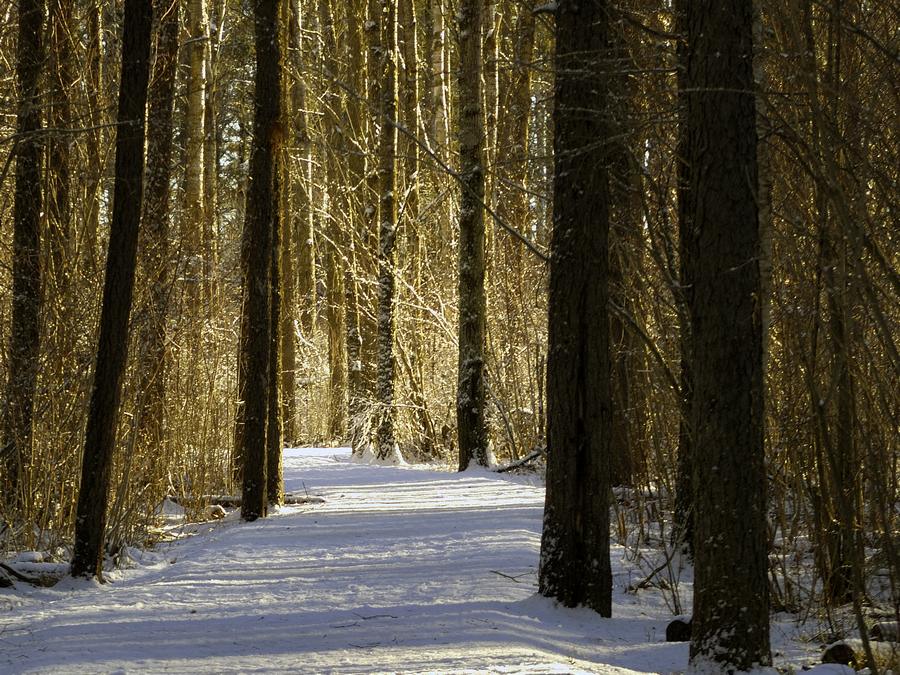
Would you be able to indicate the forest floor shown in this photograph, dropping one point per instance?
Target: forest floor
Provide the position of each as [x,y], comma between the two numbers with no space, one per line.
[401,569]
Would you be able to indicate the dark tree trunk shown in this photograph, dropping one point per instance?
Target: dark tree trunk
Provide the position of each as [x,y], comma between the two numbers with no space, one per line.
[274,426]
[354,120]
[731,609]
[59,218]
[24,340]
[256,257]
[575,565]
[112,348]
[470,390]
[683,531]
[155,259]
[387,227]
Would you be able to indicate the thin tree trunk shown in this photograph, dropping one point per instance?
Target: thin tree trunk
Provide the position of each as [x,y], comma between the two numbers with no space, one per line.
[155,257]
[355,122]
[470,391]
[59,217]
[335,204]
[210,254]
[683,530]
[94,140]
[274,435]
[301,195]
[100,438]
[193,217]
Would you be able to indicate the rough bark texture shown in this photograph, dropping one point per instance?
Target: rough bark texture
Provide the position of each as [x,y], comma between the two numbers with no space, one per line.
[574,563]
[100,439]
[301,198]
[355,121]
[24,340]
[210,227]
[336,204]
[257,244]
[731,610]
[154,241]
[59,218]
[192,220]
[683,531]
[470,390]
[274,426]
[93,170]
[387,227]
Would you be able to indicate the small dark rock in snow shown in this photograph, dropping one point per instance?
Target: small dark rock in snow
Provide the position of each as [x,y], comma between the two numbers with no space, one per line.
[679,631]
[839,652]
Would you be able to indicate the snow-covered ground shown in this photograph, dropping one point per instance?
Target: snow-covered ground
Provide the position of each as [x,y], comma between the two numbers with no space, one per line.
[402,569]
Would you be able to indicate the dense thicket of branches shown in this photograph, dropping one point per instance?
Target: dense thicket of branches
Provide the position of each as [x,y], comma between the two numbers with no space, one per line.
[371,179]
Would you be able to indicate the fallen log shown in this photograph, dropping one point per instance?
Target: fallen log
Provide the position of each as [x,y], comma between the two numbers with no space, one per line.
[530,457]
[234,501]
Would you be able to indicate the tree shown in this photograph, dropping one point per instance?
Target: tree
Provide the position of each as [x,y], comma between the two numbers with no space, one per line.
[154,241]
[256,257]
[387,225]
[100,437]
[574,564]
[24,339]
[683,531]
[192,222]
[470,392]
[731,610]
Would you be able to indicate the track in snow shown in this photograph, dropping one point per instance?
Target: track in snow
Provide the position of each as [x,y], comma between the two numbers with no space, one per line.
[396,572]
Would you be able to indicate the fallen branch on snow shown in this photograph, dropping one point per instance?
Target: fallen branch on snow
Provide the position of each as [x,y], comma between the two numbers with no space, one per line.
[234,501]
[535,454]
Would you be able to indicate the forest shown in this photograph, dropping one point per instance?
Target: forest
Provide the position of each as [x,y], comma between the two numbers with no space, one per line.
[648,251]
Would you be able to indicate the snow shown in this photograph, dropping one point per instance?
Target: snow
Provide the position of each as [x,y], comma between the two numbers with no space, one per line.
[401,569]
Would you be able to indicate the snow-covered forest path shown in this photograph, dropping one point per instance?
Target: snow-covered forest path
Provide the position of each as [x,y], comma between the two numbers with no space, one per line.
[400,570]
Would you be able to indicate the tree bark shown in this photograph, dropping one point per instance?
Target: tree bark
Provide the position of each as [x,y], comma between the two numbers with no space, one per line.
[387,227]
[574,564]
[683,530]
[193,218]
[274,425]
[257,250]
[100,437]
[731,609]
[155,257]
[355,122]
[24,340]
[470,391]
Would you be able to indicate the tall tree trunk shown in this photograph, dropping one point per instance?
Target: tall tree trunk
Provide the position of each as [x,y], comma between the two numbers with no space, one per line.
[335,204]
[94,140]
[100,437]
[387,227]
[193,217]
[470,391]
[731,608]
[155,259]
[301,194]
[574,564]
[59,217]
[257,259]
[24,340]
[683,530]
[210,226]
[355,123]
[274,426]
